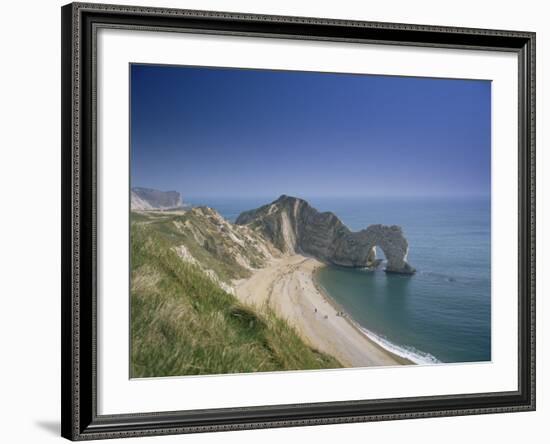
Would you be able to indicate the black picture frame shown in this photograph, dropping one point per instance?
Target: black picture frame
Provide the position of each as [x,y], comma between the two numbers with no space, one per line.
[80,420]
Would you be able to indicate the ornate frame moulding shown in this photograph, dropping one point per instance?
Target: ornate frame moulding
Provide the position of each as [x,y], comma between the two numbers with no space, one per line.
[80,419]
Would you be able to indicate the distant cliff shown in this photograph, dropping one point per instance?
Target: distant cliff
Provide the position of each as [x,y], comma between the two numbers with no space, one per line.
[149,199]
[294,226]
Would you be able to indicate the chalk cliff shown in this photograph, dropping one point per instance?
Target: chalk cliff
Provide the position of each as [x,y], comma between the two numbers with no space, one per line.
[294,226]
[149,199]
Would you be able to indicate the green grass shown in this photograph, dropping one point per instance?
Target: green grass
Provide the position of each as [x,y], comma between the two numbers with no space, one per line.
[182,323]
[214,250]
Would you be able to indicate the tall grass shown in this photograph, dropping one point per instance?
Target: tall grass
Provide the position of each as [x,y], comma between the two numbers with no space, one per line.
[182,323]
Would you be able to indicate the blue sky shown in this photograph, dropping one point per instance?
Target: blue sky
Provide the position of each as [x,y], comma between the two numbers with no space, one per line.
[216,132]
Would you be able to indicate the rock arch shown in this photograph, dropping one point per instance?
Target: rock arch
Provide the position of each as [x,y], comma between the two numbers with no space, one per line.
[392,242]
[358,249]
[294,226]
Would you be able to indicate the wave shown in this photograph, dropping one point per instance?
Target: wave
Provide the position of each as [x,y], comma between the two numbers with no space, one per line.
[403,351]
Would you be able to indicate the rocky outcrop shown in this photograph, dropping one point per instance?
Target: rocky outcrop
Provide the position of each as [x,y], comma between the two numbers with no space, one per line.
[148,199]
[294,226]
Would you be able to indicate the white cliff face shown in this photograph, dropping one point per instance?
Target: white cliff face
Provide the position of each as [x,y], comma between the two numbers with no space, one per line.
[143,199]
[244,246]
[137,203]
[294,226]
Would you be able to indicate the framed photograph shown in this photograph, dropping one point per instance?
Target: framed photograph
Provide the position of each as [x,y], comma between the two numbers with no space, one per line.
[280,221]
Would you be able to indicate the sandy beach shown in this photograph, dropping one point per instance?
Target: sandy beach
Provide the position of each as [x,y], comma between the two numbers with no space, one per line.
[287,286]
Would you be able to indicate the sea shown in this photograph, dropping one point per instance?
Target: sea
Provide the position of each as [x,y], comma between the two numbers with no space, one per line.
[442,313]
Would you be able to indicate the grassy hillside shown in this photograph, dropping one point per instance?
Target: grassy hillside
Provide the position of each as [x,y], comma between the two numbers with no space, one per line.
[183,323]
[228,250]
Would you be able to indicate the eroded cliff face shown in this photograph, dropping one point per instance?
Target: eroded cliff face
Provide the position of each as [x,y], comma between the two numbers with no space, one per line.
[294,226]
[149,199]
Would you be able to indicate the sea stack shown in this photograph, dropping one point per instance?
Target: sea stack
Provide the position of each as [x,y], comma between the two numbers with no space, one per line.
[294,226]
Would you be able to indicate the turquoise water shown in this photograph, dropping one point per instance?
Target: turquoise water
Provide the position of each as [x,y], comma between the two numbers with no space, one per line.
[440,314]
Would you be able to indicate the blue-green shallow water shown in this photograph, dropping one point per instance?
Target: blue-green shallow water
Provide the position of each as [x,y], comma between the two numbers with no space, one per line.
[443,312]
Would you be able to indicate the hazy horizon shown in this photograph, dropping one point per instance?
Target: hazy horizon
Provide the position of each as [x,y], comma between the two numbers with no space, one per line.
[254,134]
[275,196]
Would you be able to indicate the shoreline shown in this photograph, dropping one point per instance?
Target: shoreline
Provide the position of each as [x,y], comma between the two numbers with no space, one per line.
[402,360]
[288,286]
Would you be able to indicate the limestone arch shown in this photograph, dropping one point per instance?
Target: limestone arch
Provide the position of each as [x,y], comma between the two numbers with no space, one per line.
[392,242]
